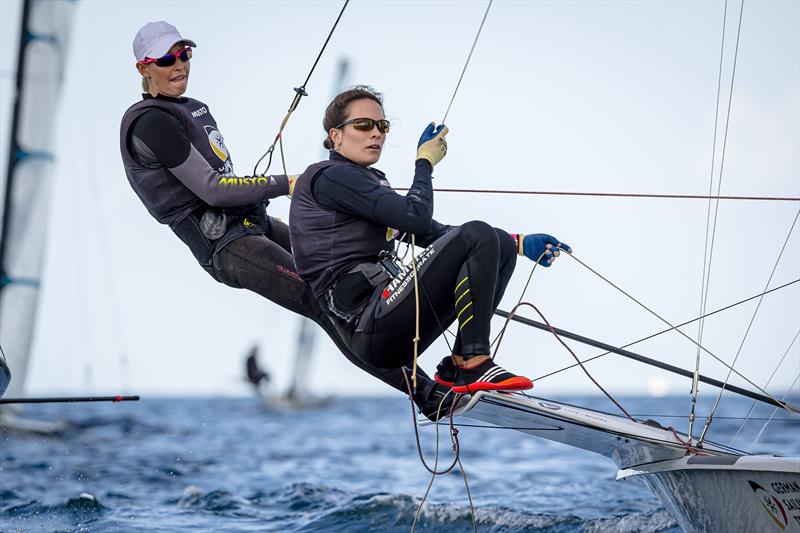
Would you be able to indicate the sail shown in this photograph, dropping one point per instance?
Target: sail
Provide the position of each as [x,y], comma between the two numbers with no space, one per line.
[44,37]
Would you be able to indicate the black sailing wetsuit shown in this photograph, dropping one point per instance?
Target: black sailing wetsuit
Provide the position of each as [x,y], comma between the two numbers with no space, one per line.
[177,163]
[338,223]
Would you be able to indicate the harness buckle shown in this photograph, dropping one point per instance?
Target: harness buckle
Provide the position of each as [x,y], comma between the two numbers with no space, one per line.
[387,259]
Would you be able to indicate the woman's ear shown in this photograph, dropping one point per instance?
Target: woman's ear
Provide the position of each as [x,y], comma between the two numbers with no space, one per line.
[142,69]
[336,137]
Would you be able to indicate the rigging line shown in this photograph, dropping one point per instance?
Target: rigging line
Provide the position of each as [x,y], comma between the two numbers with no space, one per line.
[300,92]
[554,332]
[618,194]
[747,416]
[453,440]
[444,331]
[707,274]
[793,420]
[670,329]
[747,331]
[415,340]
[718,359]
[117,329]
[773,414]
[647,360]
[469,496]
[499,338]
[520,428]
[436,458]
[325,45]
[453,430]
[464,70]
[3,354]
[703,290]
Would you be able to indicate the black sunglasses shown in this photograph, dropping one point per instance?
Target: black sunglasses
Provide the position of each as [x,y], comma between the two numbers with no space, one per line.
[169,59]
[366,124]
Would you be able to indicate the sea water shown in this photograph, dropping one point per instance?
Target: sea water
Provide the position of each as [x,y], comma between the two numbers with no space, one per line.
[223,464]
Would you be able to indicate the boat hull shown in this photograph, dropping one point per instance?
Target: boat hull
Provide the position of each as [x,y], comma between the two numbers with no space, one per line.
[721,492]
[762,494]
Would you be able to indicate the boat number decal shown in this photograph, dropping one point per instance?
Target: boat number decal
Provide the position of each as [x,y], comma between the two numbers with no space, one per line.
[789,494]
[553,406]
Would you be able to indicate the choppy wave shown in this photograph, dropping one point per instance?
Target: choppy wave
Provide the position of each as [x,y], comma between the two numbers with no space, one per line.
[186,465]
[395,513]
[80,510]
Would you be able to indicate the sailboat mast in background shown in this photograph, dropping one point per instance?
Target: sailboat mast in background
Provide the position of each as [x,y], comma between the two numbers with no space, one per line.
[306,337]
[44,37]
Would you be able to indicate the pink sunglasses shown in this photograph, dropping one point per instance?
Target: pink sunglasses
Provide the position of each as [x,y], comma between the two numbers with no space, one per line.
[169,59]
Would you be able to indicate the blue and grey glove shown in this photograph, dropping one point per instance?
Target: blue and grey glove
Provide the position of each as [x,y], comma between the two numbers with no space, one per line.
[541,247]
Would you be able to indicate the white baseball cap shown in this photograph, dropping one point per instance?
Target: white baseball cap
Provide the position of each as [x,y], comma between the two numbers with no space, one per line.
[154,40]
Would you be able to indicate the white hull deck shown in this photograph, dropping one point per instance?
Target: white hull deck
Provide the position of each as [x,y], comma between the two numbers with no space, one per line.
[724,491]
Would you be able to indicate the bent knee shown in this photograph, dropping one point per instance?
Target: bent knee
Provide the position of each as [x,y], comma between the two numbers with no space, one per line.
[508,246]
[477,230]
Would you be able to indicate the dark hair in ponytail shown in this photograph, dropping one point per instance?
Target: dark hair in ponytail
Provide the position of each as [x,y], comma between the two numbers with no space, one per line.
[336,112]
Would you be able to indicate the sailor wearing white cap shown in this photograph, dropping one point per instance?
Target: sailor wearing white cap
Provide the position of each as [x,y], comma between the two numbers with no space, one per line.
[160,44]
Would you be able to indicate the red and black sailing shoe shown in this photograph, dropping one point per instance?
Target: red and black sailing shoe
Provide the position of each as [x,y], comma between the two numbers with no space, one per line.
[489,376]
[446,372]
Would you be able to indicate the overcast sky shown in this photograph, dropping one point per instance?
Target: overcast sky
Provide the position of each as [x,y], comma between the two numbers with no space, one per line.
[569,96]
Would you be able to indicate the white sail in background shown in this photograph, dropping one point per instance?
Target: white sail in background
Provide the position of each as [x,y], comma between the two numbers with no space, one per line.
[44,37]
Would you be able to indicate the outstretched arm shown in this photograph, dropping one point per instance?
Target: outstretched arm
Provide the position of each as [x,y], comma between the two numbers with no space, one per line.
[158,138]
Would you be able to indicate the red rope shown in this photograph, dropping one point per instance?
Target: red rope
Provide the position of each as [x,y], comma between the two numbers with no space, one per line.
[620,195]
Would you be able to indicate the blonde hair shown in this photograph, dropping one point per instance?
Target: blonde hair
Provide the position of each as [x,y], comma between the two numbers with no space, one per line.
[145,87]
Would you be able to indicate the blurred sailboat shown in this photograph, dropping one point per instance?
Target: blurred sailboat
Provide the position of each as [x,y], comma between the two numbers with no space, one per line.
[296,396]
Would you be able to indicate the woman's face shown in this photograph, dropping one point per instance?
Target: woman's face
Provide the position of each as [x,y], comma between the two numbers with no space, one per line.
[169,81]
[361,147]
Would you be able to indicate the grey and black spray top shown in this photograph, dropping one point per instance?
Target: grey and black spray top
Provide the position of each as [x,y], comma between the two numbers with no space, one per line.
[343,214]
[176,160]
